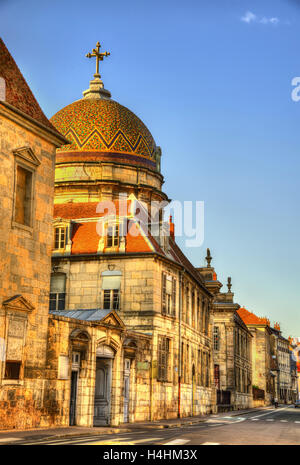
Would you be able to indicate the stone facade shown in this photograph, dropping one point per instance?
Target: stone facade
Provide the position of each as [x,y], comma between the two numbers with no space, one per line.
[141,310]
[232,344]
[264,370]
[27,153]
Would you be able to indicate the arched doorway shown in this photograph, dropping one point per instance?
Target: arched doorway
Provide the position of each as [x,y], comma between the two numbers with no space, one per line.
[104,362]
[79,341]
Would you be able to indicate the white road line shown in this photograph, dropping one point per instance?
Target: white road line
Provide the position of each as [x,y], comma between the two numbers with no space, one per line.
[269,413]
[254,419]
[10,439]
[283,421]
[270,419]
[297,421]
[210,444]
[176,442]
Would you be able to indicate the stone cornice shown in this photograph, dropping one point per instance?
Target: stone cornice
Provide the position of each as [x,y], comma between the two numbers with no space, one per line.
[17,116]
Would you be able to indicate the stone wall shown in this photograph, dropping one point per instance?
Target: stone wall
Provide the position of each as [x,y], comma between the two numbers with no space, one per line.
[24,270]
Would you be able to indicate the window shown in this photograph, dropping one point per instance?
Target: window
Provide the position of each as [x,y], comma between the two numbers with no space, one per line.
[203,315]
[187,365]
[193,309]
[111,299]
[12,369]
[168,294]
[187,300]
[111,283]
[163,358]
[216,338]
[23,199]
[199,368]
[217,376]
[112,235]
[198,314]
[58,291]
[60,237]
[207,362]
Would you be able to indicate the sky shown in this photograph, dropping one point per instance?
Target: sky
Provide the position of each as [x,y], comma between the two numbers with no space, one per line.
[213,83]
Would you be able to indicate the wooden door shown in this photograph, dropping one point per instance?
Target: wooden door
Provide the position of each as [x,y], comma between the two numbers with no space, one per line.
[102,392]
[126,389]
[73,396]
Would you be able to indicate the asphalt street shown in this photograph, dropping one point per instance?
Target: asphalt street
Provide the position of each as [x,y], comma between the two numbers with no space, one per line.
[266,426]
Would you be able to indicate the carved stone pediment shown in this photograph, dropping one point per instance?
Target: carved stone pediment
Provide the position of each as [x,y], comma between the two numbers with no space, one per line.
[18,302]
[27,154]
[113,319]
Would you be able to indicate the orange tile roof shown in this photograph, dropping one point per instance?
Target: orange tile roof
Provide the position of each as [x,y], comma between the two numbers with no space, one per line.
[18,93]
[88,209]
[251,319]
[85,239]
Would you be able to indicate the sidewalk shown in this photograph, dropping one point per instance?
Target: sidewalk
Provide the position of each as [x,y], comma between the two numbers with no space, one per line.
[68,431]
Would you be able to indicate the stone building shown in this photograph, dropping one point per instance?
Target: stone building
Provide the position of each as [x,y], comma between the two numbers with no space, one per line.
[281,355]
[231,346]
[110,253]
[295,367]
[263,368]
[27,161]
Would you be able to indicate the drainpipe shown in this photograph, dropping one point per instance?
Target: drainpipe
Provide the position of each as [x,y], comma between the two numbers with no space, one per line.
[181,273]
[151,380]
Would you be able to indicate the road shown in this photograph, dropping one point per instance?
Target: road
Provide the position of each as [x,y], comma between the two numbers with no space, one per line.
[264,426]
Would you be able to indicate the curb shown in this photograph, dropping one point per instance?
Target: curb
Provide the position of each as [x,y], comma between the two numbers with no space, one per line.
[68,435]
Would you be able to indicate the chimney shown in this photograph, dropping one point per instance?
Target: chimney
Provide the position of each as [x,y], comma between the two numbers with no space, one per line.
[172,228]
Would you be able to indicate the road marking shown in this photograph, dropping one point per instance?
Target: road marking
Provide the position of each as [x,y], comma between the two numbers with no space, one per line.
[297,421]
[210,444]
[283,421]
[270,419]
[122,442]
[254,419]
[176,442]
[269,413]
[9,439]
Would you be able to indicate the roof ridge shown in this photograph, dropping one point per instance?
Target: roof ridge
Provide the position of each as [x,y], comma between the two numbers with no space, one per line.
[18,92]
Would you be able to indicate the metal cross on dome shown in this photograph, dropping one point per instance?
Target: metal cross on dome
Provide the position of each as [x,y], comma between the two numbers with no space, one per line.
[99,56]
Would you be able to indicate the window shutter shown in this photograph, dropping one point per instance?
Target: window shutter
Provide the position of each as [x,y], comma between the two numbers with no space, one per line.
[173,296]
[111,282]
[58,283]
[163,295]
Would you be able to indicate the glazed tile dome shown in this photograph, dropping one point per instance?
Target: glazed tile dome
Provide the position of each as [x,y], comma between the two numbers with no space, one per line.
[102,129]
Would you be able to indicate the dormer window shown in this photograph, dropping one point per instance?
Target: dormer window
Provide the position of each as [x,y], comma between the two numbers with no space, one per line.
[112,235]
[62,230]
[60,237]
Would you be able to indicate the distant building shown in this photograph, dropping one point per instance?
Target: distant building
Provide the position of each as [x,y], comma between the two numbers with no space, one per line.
[295,366]
[282,357]
[263,369]
[231,346]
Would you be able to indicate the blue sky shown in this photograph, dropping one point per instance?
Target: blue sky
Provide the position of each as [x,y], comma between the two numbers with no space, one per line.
[212,81]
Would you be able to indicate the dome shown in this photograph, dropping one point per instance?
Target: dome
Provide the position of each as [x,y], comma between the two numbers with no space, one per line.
[100,129]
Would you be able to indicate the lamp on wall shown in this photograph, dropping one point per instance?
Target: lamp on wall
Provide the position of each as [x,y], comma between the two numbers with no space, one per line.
[111,267]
